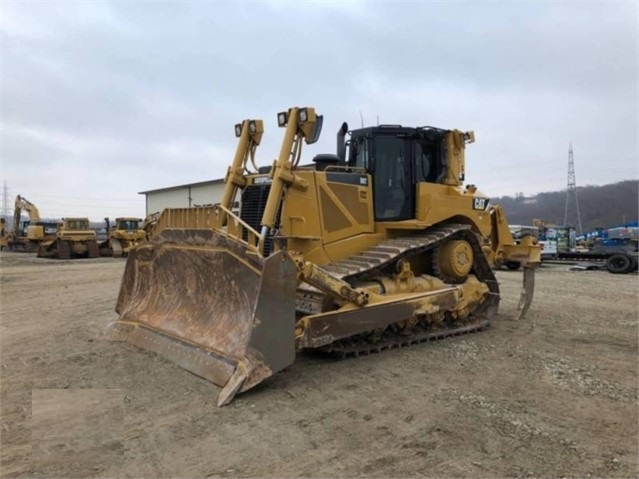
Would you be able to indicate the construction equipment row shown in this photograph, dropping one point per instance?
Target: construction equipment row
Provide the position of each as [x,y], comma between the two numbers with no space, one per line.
[69,238]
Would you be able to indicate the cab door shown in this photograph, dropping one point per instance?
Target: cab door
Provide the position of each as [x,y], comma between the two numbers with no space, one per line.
[393,188]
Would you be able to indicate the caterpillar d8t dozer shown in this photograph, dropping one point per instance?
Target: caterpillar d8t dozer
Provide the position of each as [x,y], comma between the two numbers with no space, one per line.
[74,239]
[375,247]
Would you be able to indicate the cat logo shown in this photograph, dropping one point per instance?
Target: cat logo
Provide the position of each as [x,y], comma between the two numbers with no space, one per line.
[480,203]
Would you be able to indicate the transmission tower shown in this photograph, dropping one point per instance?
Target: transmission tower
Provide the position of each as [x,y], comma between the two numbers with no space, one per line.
[5,200]
[572,216]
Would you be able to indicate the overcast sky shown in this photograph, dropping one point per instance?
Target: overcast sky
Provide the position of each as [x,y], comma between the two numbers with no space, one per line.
[103,100]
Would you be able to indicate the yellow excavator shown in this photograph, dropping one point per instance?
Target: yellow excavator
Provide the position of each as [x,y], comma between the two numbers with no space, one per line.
[5,236]
[126,233]
[376,247]
[34,232]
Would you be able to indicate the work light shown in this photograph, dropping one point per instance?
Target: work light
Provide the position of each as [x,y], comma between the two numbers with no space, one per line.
[281,118]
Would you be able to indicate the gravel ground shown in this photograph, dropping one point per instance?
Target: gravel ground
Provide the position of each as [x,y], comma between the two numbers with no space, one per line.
[554,395]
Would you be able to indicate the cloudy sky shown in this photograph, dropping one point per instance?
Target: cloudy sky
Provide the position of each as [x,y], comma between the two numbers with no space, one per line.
[102,100]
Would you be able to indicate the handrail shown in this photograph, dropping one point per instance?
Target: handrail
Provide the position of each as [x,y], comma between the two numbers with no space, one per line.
[216,217]
[235,226]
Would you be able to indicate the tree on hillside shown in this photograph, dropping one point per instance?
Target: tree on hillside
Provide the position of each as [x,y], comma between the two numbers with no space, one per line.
[600,206]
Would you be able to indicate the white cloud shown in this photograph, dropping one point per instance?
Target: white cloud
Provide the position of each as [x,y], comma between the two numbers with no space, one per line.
[104,99]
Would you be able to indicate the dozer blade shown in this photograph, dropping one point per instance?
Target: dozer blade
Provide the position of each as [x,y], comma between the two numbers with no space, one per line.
[200,299]
[527,290]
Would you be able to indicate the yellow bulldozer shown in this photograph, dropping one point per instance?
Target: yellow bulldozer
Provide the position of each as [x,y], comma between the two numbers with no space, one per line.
[376,247]
[74,239]
[126,233]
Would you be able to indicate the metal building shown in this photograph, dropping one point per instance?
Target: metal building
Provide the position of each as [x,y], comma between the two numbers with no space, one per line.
[193,194]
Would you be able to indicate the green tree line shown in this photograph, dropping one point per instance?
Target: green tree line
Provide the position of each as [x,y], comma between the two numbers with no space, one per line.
[600,206]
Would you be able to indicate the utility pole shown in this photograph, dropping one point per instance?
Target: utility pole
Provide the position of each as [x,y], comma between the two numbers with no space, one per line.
[572,216]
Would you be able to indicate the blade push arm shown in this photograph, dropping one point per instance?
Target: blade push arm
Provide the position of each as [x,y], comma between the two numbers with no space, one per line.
[300,123]
[249,133]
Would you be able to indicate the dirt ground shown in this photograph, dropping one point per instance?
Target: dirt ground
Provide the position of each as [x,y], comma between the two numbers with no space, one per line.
[554,395]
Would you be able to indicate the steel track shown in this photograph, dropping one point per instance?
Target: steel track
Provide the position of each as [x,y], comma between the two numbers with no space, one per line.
[373,261]
[354,347]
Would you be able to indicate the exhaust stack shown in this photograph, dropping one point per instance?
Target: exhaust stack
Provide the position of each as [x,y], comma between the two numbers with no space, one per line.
[341,144]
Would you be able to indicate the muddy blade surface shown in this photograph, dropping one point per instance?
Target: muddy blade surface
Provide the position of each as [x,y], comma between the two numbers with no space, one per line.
[197,298]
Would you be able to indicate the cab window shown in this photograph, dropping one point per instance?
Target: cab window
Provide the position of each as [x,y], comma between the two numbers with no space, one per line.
[392,185]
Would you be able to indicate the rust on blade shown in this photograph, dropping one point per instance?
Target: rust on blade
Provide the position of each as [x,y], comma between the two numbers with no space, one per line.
[201,300]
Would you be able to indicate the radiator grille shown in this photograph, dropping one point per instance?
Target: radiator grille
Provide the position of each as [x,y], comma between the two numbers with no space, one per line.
[253,204]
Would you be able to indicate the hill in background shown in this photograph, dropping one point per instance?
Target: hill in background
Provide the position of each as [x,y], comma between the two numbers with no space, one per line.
[600,206]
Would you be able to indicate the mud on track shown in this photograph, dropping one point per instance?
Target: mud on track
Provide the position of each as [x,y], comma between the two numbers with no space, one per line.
[554,395]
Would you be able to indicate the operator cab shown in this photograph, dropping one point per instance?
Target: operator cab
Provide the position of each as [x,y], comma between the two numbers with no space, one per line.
[398,158]
[128,224]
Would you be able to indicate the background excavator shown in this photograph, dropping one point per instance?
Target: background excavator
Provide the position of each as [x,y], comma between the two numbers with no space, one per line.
[25,237]
[375,247]
[74,239]
[125,234]
[5,236]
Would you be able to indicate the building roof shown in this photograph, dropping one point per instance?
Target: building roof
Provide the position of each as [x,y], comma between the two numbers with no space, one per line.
[188,185]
